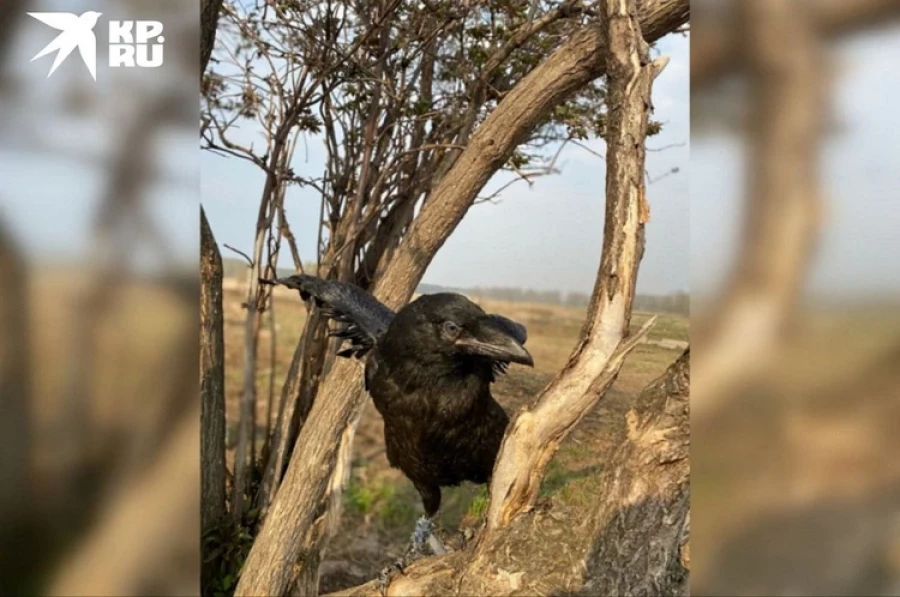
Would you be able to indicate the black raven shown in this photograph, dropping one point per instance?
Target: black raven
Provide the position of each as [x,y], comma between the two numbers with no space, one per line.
[428,368]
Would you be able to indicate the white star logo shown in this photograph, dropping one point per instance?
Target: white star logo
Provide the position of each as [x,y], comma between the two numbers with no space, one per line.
[77,32]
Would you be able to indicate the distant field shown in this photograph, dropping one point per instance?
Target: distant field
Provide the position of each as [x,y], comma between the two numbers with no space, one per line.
[381,505]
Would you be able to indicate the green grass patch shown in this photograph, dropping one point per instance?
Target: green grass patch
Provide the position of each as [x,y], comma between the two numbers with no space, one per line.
[478,505]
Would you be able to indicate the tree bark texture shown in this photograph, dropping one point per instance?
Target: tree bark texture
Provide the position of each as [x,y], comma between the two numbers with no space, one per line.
[209,22]
[212,384]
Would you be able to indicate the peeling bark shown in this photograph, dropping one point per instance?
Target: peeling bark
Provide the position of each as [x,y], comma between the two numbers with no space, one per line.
[641,528]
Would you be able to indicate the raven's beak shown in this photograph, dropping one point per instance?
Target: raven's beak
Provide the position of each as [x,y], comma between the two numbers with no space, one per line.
[491,341]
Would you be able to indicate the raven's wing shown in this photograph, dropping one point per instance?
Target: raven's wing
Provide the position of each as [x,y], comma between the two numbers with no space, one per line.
[364,319]
[514,329]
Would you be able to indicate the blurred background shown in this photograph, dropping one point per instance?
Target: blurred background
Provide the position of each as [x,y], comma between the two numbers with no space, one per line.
[794,286]
[99,182]
[794,298]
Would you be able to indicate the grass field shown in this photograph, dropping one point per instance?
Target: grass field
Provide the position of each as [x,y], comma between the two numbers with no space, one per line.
[381,505]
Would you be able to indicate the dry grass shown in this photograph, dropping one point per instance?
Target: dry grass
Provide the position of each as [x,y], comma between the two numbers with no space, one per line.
[131,342]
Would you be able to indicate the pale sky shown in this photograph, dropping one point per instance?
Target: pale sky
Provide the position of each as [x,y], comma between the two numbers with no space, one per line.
[859,244]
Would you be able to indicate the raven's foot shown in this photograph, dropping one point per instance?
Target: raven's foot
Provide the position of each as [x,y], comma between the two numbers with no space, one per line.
[421,543]
[386,574]
[424,535]
[421,535]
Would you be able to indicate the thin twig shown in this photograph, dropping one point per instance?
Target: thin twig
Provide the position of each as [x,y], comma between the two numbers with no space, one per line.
[239,252]
[665,147]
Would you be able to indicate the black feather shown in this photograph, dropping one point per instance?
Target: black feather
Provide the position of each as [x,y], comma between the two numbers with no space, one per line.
[442,426]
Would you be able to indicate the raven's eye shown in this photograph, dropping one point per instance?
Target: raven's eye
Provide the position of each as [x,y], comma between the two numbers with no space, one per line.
[451,328]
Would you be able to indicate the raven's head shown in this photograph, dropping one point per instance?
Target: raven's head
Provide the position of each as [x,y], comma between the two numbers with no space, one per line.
[451,325]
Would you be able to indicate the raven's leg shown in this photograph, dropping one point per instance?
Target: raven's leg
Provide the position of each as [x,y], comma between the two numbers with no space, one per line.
[422,534]
[431,499]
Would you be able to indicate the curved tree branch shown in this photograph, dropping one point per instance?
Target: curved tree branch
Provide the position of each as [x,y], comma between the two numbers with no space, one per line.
[782,202]
[716,47]
[536,432]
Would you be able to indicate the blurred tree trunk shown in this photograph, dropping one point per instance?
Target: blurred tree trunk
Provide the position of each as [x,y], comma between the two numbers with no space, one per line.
[740,338]
[16,498]
[130,549]
[212,387]
[286,554]
[715,47]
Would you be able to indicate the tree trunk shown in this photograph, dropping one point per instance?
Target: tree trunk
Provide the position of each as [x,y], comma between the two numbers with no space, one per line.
[785,65]
[209,22]
[212,387]
[285,556]
[641,529]
[16,499]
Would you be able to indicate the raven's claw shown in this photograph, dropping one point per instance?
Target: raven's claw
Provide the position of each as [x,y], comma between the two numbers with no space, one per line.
[384,577]
[421,537]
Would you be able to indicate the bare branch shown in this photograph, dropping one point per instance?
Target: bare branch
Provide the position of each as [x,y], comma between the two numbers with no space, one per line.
[536,432]
[239,252]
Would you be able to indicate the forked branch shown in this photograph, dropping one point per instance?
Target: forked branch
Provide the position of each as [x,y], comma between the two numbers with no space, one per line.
[536,433]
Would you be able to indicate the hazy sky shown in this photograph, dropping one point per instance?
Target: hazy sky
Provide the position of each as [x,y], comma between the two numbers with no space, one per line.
[859,244]
[55,155]
[547,236]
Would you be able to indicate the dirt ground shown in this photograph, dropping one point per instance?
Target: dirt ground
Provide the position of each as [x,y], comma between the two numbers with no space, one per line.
[380,504]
